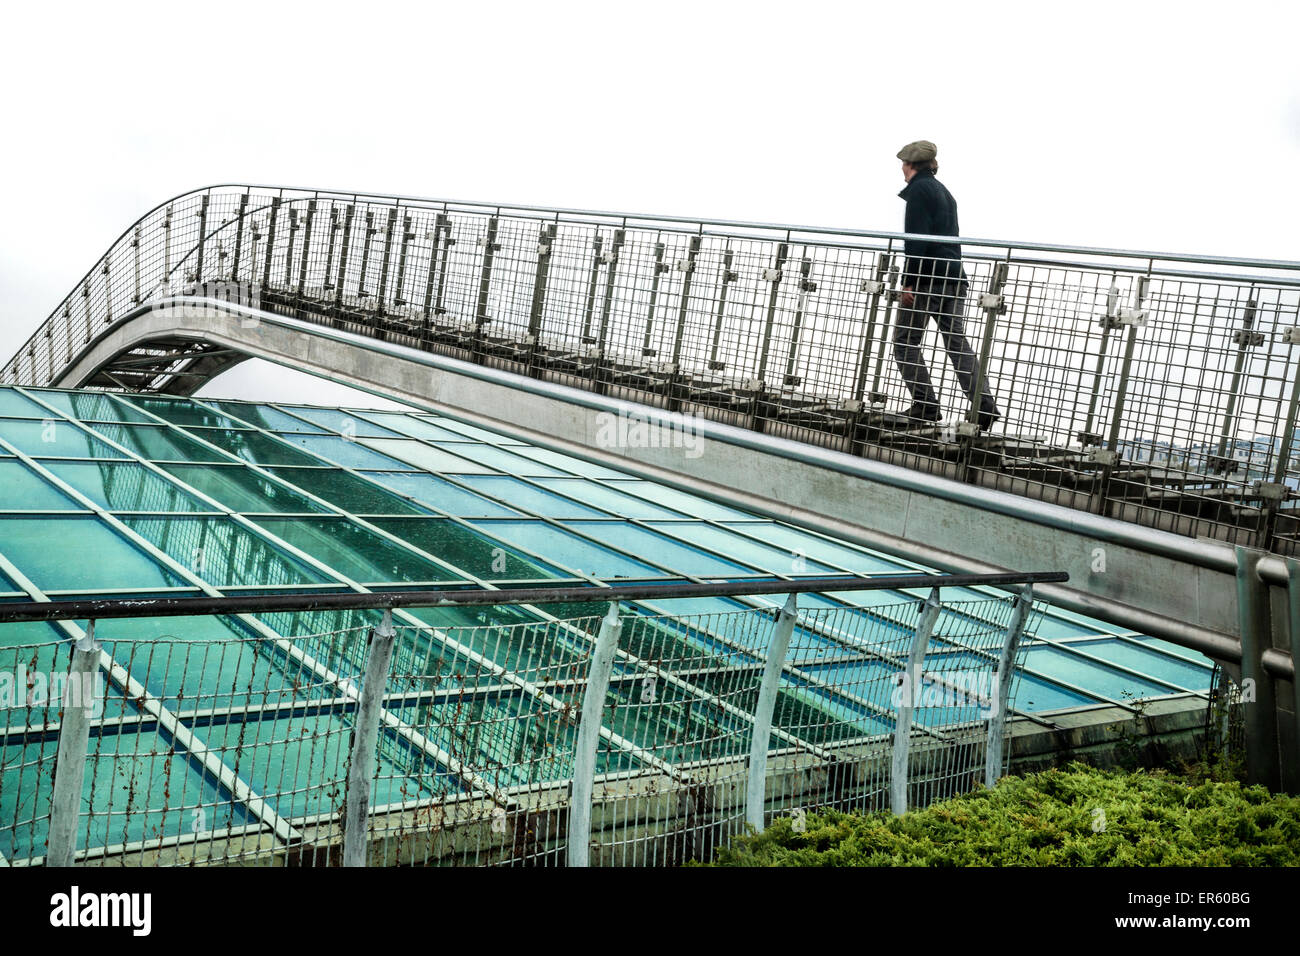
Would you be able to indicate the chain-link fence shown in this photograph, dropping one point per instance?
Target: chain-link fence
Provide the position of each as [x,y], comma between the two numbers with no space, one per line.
[640,739]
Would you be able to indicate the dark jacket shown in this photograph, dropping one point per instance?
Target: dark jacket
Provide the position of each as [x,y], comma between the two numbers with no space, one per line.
[931,211]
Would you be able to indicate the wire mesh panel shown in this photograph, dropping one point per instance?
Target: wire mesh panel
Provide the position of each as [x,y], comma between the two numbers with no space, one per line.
[224,743]
[1154,388]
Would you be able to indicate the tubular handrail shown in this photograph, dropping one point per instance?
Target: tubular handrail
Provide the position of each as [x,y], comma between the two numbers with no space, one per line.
[107,608]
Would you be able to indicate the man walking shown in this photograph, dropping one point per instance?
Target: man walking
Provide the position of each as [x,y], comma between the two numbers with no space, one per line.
[934,284]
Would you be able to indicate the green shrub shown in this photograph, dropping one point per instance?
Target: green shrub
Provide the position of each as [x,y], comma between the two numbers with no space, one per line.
[1079,816]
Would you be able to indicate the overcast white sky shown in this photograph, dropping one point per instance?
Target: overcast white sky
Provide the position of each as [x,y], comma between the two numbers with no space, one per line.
[1166,126]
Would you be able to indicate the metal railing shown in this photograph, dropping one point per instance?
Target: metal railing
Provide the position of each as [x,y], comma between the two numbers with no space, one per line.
[631,738]
[1153,387]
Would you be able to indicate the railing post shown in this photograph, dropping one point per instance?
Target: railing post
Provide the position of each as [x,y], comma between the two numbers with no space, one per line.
[306,248]
[270,241]
[1246,338]
[994,304]
[593,278]
[584,755]
[774,276]
[385,263]
[911,688]
[345,250]
[537,304]
[70,765]
[1005,671]
[365,740]
[874,289]
[1258,693]
[756,786]
[399,289]
[239,238]
[727,277]
[660,268]
[611,257]
[434,237]
[806,286]
[481,317]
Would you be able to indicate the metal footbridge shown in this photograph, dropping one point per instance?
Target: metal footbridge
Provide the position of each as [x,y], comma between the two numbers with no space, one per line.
[1148,438]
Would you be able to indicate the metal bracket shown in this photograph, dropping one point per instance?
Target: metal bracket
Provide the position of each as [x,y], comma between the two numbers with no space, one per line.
[772,275]
[1246,338]
[730,276]
[1291,335]
[967,429]
[1088,438]
[850,405]
[1105,457]
[1222,465]
[684,265]
[1134,317]
[872,286]
[752,385]
[992,302]
[607,257]
[1270,490]
[543,248]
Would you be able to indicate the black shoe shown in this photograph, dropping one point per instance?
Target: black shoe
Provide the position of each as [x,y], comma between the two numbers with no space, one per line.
[919,413]
[986,420]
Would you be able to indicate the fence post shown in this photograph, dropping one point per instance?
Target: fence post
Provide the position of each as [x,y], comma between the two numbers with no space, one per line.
[1006,670]
[365,738]
[584,756]
[911,688]
[70,765]
[756,786]
[1258,692]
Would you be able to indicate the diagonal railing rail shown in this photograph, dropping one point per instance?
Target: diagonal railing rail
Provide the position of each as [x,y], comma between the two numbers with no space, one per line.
[1158,388]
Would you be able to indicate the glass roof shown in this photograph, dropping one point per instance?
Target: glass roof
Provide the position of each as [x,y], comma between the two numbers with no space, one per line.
[128,495]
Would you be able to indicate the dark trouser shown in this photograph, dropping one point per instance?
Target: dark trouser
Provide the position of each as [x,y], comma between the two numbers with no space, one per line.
[944,300]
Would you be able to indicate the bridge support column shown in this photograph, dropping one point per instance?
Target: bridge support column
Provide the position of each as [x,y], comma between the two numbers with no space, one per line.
[1258,697]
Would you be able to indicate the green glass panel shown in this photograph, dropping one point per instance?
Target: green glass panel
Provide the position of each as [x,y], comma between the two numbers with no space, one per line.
[351,426]
[242,489]
[78,554]
[92,406]
[181,411]
[429,458]
[413,427]
[266,417]
[680,557]
[530,498]
[255,447]
[340,451]
[474,553]
[356,552]
[19,406]
[441,494]
[159,443]
[54,438]
[610,499]
[688,504]
[347,492]
[569,550]
[508,463]
[125,486]
[24,489]
[137,786]
[223,552]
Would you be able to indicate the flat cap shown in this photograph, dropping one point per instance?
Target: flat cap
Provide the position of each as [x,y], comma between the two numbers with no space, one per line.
[922,151]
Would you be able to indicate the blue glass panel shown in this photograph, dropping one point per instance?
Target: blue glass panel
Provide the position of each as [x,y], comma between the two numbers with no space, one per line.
[568,463]
[501,460]
[413,427]
[340,451]
[832,552]
[130,778]
[681,558]
[351,426]
[610,499]
[266,417]
[18,406]
[25,490]
[181,411]
[688,504]
[530,498]
[54,438]
[1095,677]
[125,486]
[223,552]
[440,494]
[571,551]
[429,458]
[471,431]
[744,549]
[356,552]
[1178,670]
[255,447]
[158,443]
[78,553]
[91,406]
